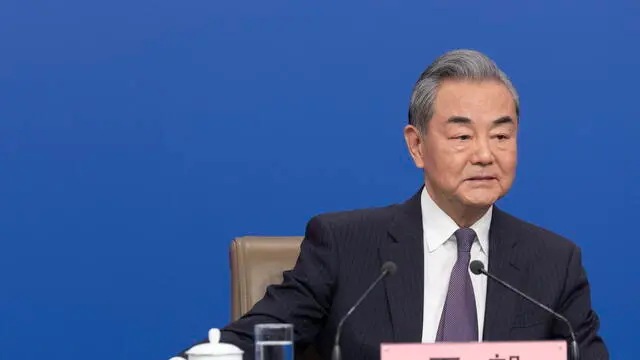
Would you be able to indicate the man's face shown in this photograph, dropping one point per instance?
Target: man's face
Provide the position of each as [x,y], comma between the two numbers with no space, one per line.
[469,151]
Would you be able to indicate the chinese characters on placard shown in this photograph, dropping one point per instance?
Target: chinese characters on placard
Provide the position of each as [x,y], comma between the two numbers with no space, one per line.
[512,357]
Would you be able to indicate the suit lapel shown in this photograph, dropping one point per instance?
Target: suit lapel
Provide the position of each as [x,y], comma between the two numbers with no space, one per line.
[404,246]
[500,302]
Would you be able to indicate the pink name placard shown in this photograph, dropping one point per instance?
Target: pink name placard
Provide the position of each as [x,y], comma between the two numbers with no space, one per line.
[525,350]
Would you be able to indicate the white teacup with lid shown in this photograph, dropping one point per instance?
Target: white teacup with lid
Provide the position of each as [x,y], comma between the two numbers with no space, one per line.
[214,349]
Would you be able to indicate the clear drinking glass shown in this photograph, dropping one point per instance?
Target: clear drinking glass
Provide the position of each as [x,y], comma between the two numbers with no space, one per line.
[274,341]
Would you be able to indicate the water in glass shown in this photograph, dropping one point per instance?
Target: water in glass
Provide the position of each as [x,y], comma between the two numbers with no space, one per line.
[274,350]
[274,341]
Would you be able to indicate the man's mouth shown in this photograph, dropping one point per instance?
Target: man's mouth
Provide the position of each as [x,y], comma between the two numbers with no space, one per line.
[481,178]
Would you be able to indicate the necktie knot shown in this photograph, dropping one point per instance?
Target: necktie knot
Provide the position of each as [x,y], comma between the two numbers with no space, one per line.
[465,238]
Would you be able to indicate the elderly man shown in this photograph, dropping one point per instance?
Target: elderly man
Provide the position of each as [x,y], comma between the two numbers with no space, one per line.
[462,131]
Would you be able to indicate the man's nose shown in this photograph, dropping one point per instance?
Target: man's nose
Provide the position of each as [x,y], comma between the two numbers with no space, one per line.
[482,154]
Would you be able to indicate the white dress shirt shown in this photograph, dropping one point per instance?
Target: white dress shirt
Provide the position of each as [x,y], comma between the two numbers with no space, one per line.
[440,254]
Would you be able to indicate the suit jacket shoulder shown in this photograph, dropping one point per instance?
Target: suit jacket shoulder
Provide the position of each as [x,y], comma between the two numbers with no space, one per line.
[356,230]
[356,218]
[534,242]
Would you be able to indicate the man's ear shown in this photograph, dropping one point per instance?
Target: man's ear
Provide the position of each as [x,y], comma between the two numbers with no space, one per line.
[415,144]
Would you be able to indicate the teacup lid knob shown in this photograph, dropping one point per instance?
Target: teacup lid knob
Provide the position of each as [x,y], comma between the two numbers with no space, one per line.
[214,347]
[214,336]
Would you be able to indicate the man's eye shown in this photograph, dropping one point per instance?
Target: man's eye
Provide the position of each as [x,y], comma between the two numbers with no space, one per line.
[463,137]
[502,136]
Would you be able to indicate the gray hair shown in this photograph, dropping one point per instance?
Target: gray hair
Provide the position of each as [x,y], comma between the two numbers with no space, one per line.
[454,65]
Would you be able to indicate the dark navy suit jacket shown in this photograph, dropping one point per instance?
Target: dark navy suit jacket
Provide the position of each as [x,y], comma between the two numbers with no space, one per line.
[341,256]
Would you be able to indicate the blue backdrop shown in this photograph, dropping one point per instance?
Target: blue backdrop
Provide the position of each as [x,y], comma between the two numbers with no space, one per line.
[138,138]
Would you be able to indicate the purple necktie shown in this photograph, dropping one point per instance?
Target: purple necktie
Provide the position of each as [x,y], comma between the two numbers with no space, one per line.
[459,321]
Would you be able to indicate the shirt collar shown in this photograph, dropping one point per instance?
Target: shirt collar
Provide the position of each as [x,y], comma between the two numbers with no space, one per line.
[438,227]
